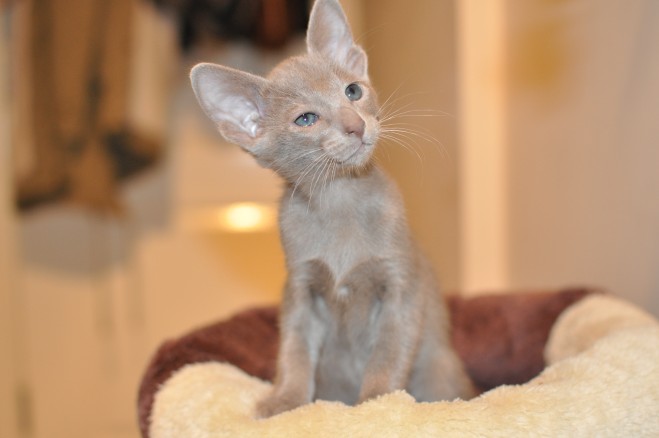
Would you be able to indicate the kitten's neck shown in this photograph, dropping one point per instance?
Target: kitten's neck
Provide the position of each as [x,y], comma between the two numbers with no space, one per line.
[314,187]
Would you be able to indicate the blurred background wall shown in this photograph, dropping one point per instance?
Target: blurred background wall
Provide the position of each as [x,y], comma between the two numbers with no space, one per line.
[583,145]
[536,168]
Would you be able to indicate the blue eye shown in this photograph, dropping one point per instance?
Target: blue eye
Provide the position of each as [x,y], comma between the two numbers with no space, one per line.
[354,92]
[306,119]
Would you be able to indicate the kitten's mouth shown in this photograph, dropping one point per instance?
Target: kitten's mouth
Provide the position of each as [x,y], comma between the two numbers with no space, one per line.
[351,151]
[360,155]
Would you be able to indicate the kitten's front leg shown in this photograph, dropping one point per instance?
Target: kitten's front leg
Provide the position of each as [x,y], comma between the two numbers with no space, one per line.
[391,360]
[395,342]
[293,384]
[301,333]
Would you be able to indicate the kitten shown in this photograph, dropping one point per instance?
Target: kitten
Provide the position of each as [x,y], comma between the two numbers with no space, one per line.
[361,315]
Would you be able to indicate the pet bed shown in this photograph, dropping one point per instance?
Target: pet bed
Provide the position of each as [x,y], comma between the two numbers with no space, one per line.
[562,363]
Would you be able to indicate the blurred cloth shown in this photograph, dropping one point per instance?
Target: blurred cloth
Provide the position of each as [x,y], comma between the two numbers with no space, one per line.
[79,62]
[266,23]
[78,141]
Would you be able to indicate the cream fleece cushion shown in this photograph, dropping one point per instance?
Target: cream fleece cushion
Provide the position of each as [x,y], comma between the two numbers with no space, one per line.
[602,381]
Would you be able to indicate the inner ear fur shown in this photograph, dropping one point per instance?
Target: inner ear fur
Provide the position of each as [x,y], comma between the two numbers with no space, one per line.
[233,99]
[329,35]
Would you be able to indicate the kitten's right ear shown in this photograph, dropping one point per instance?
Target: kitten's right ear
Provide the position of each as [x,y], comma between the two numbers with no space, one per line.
[232,99]
[329,35]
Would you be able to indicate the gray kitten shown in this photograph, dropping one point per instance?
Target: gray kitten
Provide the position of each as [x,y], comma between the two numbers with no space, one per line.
[361,314]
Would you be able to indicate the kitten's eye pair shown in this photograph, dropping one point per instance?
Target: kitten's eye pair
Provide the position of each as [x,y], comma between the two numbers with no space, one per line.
[353,92]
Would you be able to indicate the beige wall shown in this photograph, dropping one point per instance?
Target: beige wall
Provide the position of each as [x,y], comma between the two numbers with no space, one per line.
[411,48]
[584,145]
[483,152]
[558,153]
[8,424]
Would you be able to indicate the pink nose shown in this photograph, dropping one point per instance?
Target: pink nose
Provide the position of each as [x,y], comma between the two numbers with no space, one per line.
[352,123]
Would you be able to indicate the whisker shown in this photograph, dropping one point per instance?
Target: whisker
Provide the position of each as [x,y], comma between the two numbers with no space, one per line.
[405,146]
[318,170]
[386,103]
[306,171]
[391,113]
[409,131]
[416,135]
[318,177]
[329,177]
[385,108]
[413,113]
[407,112]
[390,102]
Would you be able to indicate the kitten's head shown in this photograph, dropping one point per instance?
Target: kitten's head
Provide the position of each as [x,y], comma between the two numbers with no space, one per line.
[315,112]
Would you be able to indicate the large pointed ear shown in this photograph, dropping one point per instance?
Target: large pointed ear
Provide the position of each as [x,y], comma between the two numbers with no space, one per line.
[329,35]
[232,99]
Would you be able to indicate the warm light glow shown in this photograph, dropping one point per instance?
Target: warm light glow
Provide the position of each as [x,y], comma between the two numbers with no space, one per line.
[246,217]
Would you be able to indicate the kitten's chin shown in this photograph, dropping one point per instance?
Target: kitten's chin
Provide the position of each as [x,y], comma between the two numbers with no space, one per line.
[350,152]
[361,156]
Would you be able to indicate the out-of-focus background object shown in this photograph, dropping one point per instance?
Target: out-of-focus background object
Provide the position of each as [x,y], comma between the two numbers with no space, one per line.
[126,219]
[77,90]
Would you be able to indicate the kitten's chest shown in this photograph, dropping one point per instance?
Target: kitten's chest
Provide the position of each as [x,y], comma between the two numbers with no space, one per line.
[340,239]
[343,229]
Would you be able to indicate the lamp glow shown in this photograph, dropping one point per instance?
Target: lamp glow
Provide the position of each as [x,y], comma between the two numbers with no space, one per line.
[246,217]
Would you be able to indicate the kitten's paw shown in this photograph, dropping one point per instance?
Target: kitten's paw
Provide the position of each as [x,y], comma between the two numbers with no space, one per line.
[276,403]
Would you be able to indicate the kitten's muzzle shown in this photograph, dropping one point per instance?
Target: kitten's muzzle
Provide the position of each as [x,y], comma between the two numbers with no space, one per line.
[352,123]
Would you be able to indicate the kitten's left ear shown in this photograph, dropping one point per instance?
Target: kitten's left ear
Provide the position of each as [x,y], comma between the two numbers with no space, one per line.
[330,36]
[233,100]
